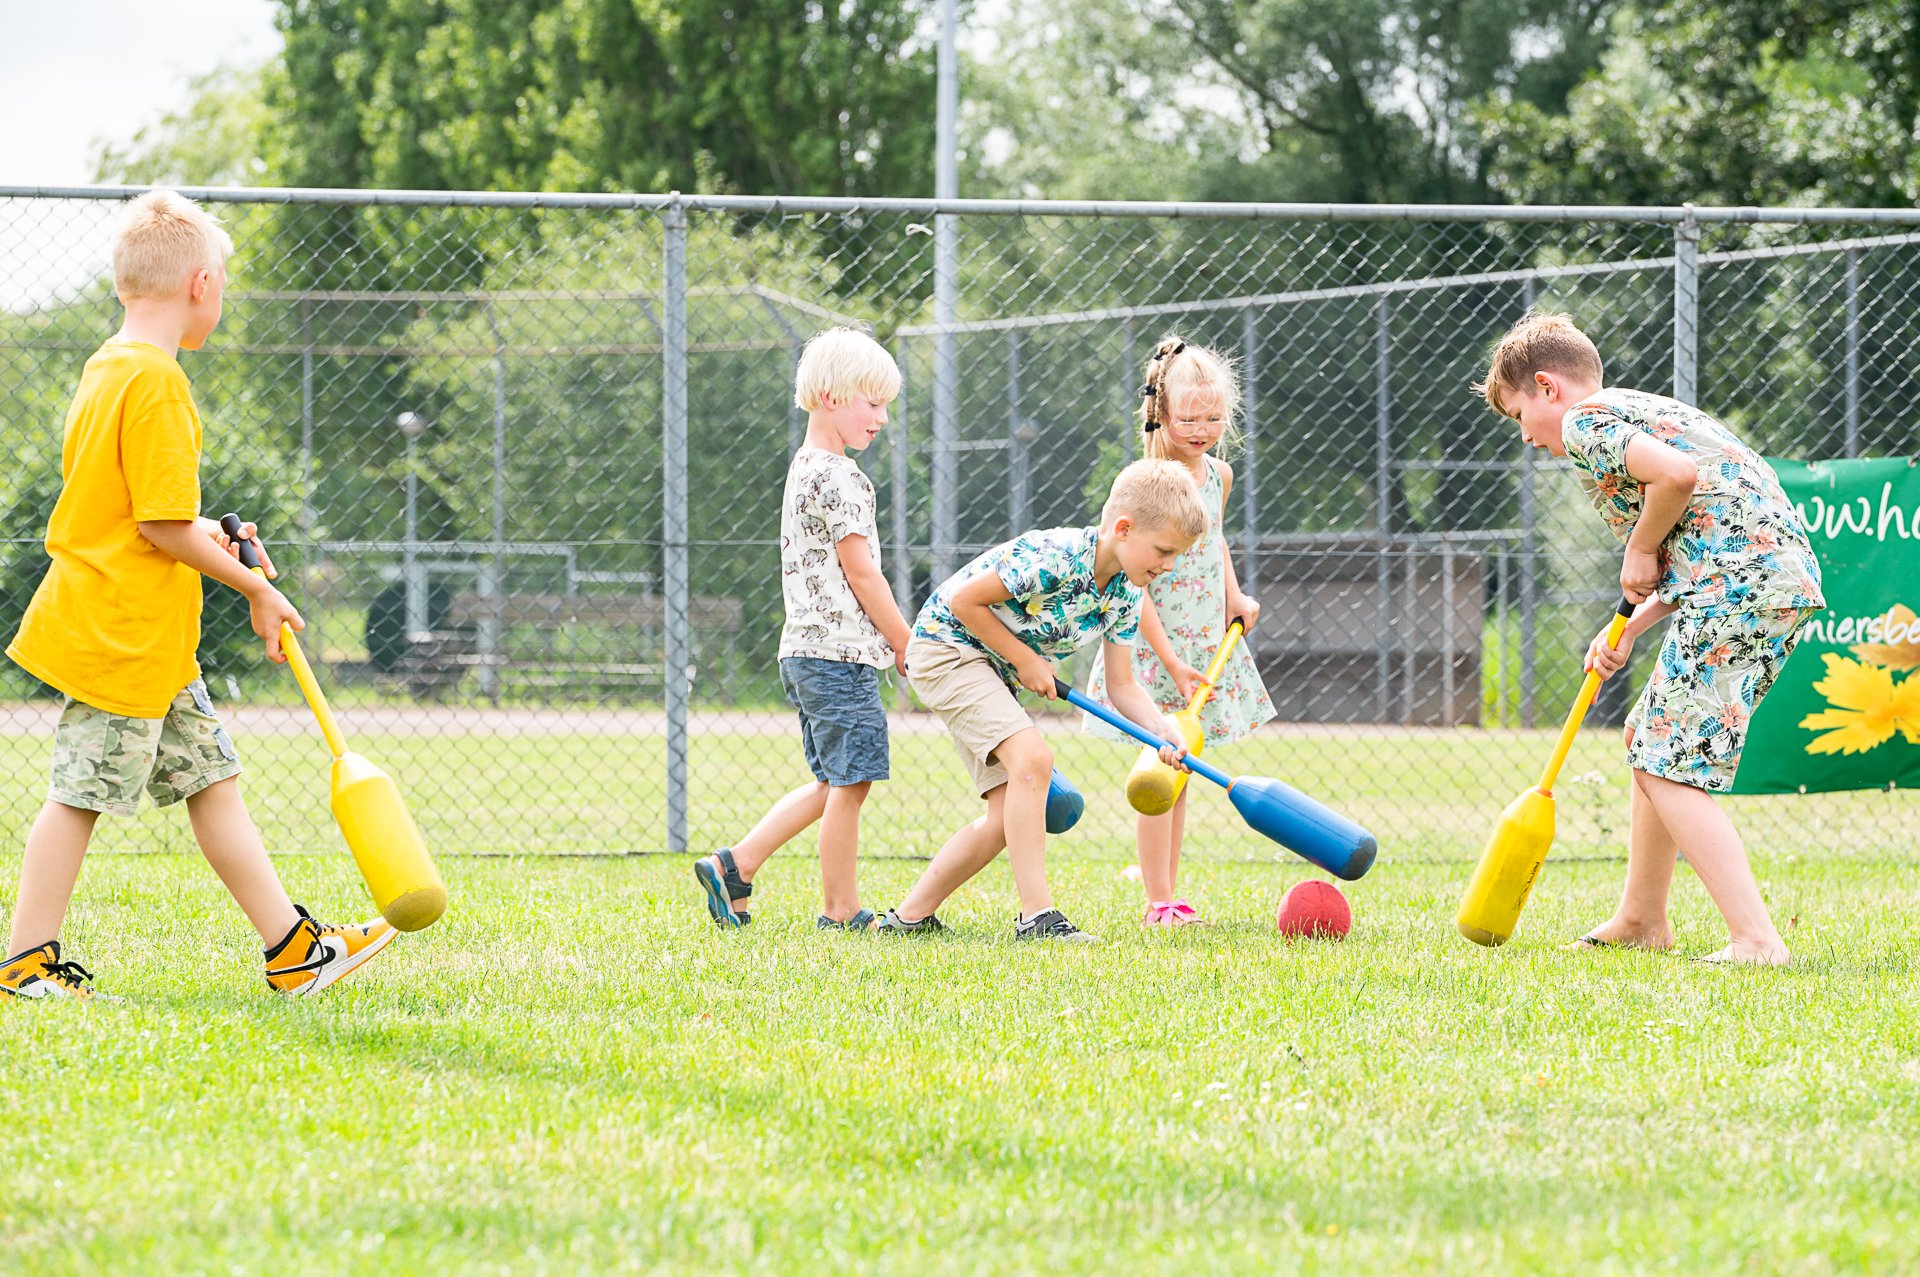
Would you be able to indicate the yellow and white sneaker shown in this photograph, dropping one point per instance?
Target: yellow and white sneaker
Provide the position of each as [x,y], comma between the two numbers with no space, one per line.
[39,973]
[315,954]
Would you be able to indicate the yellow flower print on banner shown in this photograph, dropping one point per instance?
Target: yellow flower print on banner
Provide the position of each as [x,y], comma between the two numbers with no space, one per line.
[1870,708]
[1903,653]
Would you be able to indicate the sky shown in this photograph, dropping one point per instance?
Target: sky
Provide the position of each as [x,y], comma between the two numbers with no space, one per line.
[73,71]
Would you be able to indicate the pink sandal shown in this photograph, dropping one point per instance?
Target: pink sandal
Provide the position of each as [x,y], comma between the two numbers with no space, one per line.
[1173,913]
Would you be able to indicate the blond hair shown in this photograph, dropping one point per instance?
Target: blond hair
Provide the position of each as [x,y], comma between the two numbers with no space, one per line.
[161,240]
[1538,343]
[1178,365]
[840,363]
[1156,494]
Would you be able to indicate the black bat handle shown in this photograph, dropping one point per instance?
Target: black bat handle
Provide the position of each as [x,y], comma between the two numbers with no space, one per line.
[1625,609]
[249,557]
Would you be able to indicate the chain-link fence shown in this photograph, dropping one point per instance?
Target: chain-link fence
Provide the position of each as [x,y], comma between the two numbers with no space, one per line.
[519,459]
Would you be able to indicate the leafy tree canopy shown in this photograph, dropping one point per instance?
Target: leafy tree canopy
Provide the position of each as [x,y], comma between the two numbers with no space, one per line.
[1730,102]
[763,96]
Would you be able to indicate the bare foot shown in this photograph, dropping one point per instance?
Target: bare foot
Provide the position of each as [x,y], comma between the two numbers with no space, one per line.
[1616,934]
[1752,953]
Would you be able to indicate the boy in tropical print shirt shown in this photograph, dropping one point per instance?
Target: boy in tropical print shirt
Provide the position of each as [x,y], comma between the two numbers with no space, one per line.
[1711,541]
[989,631]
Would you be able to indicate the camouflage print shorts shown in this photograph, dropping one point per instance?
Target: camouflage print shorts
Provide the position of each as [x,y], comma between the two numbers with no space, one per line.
[102,761]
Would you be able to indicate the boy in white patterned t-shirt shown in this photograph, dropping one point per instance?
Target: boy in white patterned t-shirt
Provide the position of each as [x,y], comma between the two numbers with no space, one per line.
[842,626]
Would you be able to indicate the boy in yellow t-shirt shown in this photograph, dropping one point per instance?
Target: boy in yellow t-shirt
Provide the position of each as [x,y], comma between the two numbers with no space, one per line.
[116,620]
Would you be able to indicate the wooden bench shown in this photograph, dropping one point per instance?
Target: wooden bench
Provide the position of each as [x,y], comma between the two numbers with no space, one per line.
[585,642]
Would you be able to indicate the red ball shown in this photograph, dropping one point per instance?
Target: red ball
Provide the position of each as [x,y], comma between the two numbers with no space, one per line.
[1314,908]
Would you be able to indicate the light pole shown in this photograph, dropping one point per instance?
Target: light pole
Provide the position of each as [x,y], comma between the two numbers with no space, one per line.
[413,571]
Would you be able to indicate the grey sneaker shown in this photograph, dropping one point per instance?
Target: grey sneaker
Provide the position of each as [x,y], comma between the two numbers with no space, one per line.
[891,923]
[1050,924]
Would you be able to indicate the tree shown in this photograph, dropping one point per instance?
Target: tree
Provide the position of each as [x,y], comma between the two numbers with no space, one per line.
[1730,102]
[764,96]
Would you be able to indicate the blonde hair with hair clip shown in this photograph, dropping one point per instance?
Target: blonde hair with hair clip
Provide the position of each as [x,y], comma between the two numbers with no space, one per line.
[160,241]
[1157,493]
[840,363]
[1540,342]
[1178,365]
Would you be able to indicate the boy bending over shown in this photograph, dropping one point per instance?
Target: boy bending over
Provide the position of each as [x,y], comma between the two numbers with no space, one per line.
[116,620]
[1713,542]
[988,631]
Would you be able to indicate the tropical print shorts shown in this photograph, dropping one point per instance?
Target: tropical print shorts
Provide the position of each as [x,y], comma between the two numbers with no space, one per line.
[1690,723]
[102,761]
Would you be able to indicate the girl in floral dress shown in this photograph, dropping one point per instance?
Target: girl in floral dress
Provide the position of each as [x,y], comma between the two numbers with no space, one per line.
[1187,405]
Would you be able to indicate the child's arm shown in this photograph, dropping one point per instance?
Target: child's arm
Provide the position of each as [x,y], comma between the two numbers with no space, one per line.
[1132,700]
[1610,660]
[1238,604]
[972,606]
[1666,478]
[1184,676]
[875,595]
[193,544]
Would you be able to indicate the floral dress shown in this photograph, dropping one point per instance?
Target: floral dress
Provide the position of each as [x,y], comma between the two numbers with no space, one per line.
[1192,602]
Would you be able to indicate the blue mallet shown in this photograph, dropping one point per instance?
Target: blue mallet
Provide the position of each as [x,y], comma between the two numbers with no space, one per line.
[1272,807]
[1065,804]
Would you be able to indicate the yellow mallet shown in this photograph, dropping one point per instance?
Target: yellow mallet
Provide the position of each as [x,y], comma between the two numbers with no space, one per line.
[366,803]
[1152,786]
[1507,869]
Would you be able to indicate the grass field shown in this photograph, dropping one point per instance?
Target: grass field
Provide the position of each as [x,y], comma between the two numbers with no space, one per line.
[1428,794]
[573,1073]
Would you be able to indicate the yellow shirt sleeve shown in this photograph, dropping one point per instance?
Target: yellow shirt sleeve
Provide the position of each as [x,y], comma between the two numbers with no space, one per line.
[160,453]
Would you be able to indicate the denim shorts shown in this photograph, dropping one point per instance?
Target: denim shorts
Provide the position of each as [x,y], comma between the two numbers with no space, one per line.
[842,721]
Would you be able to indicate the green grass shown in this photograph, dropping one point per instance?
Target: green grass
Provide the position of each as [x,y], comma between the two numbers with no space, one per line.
[573,1073]
[1427,794]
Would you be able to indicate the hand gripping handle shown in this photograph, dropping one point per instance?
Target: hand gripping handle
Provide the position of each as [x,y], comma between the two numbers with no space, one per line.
[1578,714]
[302,672]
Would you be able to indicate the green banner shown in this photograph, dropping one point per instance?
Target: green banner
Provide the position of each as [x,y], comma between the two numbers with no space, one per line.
[1845,713]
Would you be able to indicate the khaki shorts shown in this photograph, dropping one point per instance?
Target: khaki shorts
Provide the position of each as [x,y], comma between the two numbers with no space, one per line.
[963,687]
[102,761]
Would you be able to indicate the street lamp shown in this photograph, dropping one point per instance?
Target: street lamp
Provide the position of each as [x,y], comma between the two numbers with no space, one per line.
[413,571]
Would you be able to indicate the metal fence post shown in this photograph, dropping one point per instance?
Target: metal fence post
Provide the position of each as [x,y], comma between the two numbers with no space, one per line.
[946,287]
[491,582]
[674,530]
[1383,491]
[1686,309]
[1128,399]
[898,445]
[1016,452]
[1853,352]
[1249,456]
[1529,524]
[306,418]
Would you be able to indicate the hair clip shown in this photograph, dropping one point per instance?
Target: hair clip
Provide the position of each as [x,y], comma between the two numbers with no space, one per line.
[1150,427]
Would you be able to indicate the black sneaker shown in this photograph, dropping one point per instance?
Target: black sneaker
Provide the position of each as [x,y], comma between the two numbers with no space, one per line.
[1050,924]
[891,923]
[858,924]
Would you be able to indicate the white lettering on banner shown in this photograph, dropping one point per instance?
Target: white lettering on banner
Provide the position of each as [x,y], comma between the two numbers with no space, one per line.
[1862,629]
[1893,512]
[1832,520]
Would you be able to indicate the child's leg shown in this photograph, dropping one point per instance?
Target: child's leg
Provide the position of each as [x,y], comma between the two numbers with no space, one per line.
[1159,842]
[1640,920]
[231,844]
[1719,859]
[1029,764]
[971,849]
[840,851]
[792,816]
[56,847]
